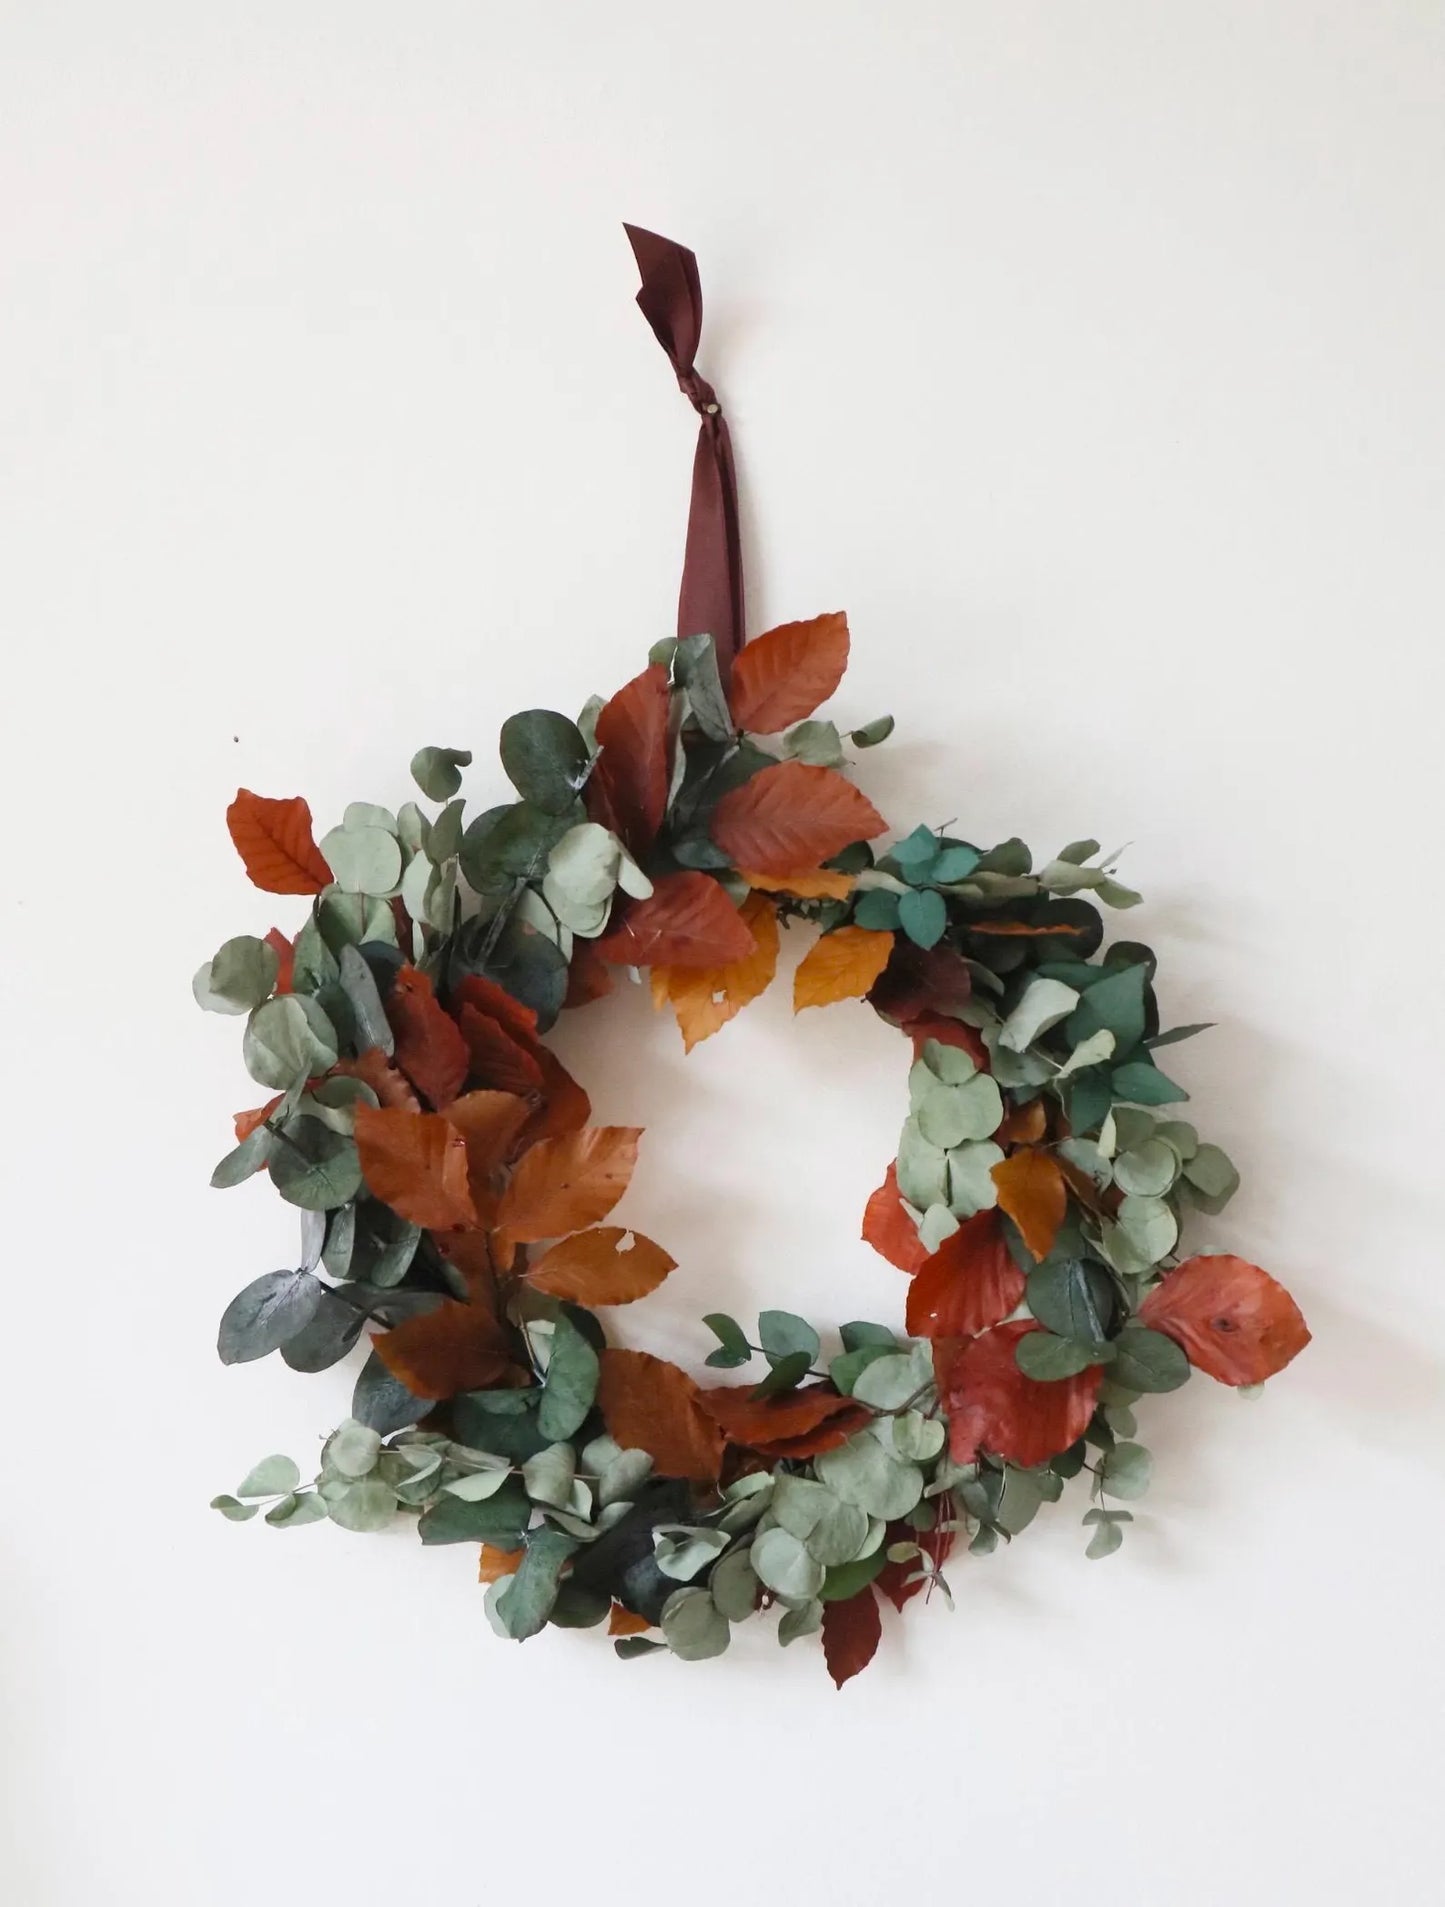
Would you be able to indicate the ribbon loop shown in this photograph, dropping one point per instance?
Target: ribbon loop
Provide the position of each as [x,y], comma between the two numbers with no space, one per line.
[710,601]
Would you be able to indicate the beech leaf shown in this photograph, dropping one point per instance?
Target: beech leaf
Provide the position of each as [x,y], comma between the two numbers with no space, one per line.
[992,1405]
[456,1347]
[627,790]
[562,1184]
[1232,1320]
[842,965]
[430,1048]
[889,1228]
[415,1162]
[968,1284]
[784,674]
[852,1630]
[687,921]
[792,816]
[274,840]
[606,1265]
[649,1404]
[704,999]
[1031,1190]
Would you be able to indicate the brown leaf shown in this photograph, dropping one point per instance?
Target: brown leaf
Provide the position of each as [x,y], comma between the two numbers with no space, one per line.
[892,1580]
[497,1058]
[430,1049]
[416,1163]
[587,977]
[758,1422]
[969,1283]
[991,1405]
[807,884]
[919,981]
[489,1122]
[1017,930]
[792,815]
[493,1563]
[649,1404]
[457,1347]
[706,998]
[565,1106]
[607,1265]
[782,676]
[1232,1320]
[1031,1190]
[562,1184]
[687,921]
[829,1434]
[374,1069]
[852,1630]
[625,1622]
[888,1228]
[841,965]
[627,789]
[1024,1125]
[475,989]
[274,840]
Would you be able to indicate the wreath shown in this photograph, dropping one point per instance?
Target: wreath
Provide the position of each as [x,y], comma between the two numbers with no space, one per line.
[458,1207]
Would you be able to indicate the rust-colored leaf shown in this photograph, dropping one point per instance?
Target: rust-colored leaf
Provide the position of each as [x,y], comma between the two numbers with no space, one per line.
[430,1048]
[706,998]
[374,1069]
[840,966]
[587,977]
[1024,1125]
[457,1347]
[1031,1190]
[947,1032]
[892,1580]
[565,1106]
[807,884]
[829,1434]
[285,954]
[493,1563]
[489,1122]
[687,921]
[888,1228]
[852,1630]
[274,840]
[991,1405]
[792,815]
[627,789]
[475,989]
[649,1404]
[607,1265]
[623,1621]
[758,1422]
[415,1162]
[783,675]
[497,1057]
[562,1184]
[1018,930]
[1232,1320]
[248,1122]
[919,981]
[969,1283]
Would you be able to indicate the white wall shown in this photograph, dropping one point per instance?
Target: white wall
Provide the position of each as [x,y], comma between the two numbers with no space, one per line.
[1090,357]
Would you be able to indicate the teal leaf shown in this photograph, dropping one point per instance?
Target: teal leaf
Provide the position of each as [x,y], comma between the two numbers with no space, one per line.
[923,916]
[733,1348]
[877,909]
[500,1519]
[1114,1004]
[953,863]
[784,1334]
[527,1598]
[1177,1033]
[1144,1085]
[314,1167]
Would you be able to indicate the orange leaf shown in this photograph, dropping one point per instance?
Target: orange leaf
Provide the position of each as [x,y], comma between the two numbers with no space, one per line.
[1232,1320]
[840,966]
[285,959]
[623,1622]
[248,1122]
[1031,1190]
[274,840]
[888,1228]
[649,1404]
[489,1123]
[829,1434]
[757,1423]
[687,921]
[1024,1125]
[969,1283]
[852,1630]
[497,1058]
[565,1106]
[601,1267]
[457,1347]
[792,815]
[627,789]
[706,998]
[374,1069]
[430,1049]
[783,675]
[991,1405]
[1016,930]
[415,1162]
[499,1005]
[562,1184]
[809,884]
[495,1563]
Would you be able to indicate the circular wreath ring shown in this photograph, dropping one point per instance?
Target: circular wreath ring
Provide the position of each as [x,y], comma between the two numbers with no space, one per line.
[454,1194]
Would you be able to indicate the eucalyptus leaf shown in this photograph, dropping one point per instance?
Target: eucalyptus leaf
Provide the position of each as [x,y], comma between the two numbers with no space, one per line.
[529,1594]
[435,771]
[238,978]
[288,1039]
[1147,1361]
[784,1565]
[694,1626]
[545,758]
[364,1507]
[272,1476]
[571,1383]
[314,1167]
[271,1309]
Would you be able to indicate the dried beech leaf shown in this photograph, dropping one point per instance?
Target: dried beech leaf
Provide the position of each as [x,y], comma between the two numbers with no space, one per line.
[791,816]
[497,1057]
[947,1032]
[852,1630]
[499,1005]
[757,1422]
[1031,1190]
[687,921]
[888,1228]
[456,1347]
[623,1622]
[275,841]
[1232,1320]
[415,1162]
[706,998]
[627,790]
[968,1284]
[842,965]
[562,1184]
[781,676]
[991,1405]
[489,1122]
[248,1122]
[807,884]
[649,1404]
[374,1069]
[495,1563]
[607,1265]
[430,1048]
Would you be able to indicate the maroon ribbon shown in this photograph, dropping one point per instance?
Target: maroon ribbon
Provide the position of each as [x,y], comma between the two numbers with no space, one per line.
[711,598]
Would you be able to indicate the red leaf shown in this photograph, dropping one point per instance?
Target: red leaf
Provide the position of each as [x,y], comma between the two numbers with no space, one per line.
[760,1422]
[649,1404]
[948,1032]
[416,1163]
[1232,1320]
[892,1580]
[782,676]
[852,1630]
[248,1122]
[430,1049]
[457,1347]
[688,921]
[565,1106]
[791,816]
[888,1228]
[274,840]
[285,959]
[991,1405]
[836,1430]
[499,1005]
[968,1284]
[497,1058]
[919,981]
[627,789]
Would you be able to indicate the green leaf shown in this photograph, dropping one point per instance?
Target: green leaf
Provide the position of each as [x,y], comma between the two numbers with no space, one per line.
[865,1472]
[1106,1539]
[499,1519]
[383,1401]
[358,983]
[694,666]
[1077,852]
[1144,1085]
[239,977]
[526,1601]
[805,1620]
[816,742]
[245,1160]
[889,1382]
[634,1648]
[570,1387]
[923,916]
[847,1369]
[786,1373]
[1149,1225]
[352,1450]
[363,860]
[695,1627]
[681,1550]
[293,1512]
[877,909]
[1212,1171]
[1177,1033]
[860,1332]
[732,1348]
[1047,1358]
[1125,1471]
[271,1309]
[783,1564]
[1147,1361]
[364,1507]
[314,1167]
[477,1487]
[434,770]
[871,733]
[784,1334]
[545,758]
[272,1476]
[288,1039]
[1147,1171]
[1042,1004]
[547,1476]
[971,1186]
[915,851]
[1114,1004]
[849,1578]
[949,1116]
[734,1586]
[233,1511]
[1072,1298]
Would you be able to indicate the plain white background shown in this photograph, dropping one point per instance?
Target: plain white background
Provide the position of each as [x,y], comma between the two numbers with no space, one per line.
[1089,356]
